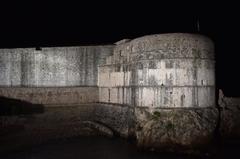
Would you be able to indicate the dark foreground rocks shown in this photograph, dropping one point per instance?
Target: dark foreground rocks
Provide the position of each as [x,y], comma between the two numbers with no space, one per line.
[185,130]
[178,130]
[229,117]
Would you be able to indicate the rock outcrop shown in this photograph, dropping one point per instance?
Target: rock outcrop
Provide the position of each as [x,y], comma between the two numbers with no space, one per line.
[230,118]
[176,130]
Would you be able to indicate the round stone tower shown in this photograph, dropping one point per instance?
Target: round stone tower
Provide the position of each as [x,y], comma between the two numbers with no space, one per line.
[173,70]
[174,93]
[168,82]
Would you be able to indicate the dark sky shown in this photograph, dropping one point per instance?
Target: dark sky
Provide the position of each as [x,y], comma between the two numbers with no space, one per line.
[58,24]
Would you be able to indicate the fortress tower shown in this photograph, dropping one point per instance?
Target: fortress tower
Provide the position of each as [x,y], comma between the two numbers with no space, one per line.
[158,88]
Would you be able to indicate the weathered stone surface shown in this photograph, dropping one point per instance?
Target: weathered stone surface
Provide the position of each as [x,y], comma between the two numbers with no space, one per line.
[52,95]
[52,66]
[117,117]
[230,118]
[99,128]
[176,129]
[163,70]
[162,46]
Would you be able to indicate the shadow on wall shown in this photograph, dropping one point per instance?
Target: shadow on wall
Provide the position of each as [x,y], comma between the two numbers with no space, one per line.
[10,106]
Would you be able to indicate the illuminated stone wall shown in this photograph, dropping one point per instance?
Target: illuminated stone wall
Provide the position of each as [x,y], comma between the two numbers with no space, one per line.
[52,67]
[165,70]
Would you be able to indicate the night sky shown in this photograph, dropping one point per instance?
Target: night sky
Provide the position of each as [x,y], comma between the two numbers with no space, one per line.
[42,24]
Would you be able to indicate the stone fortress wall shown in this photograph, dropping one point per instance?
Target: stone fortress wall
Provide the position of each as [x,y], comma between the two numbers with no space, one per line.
[160,89]
[57,75]
[155,74]
[169,70]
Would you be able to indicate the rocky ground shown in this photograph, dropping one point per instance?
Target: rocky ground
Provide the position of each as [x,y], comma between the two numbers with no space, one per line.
[167,130]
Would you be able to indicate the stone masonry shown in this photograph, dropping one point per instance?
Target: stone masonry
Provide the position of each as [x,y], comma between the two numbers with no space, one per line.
[159,89]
